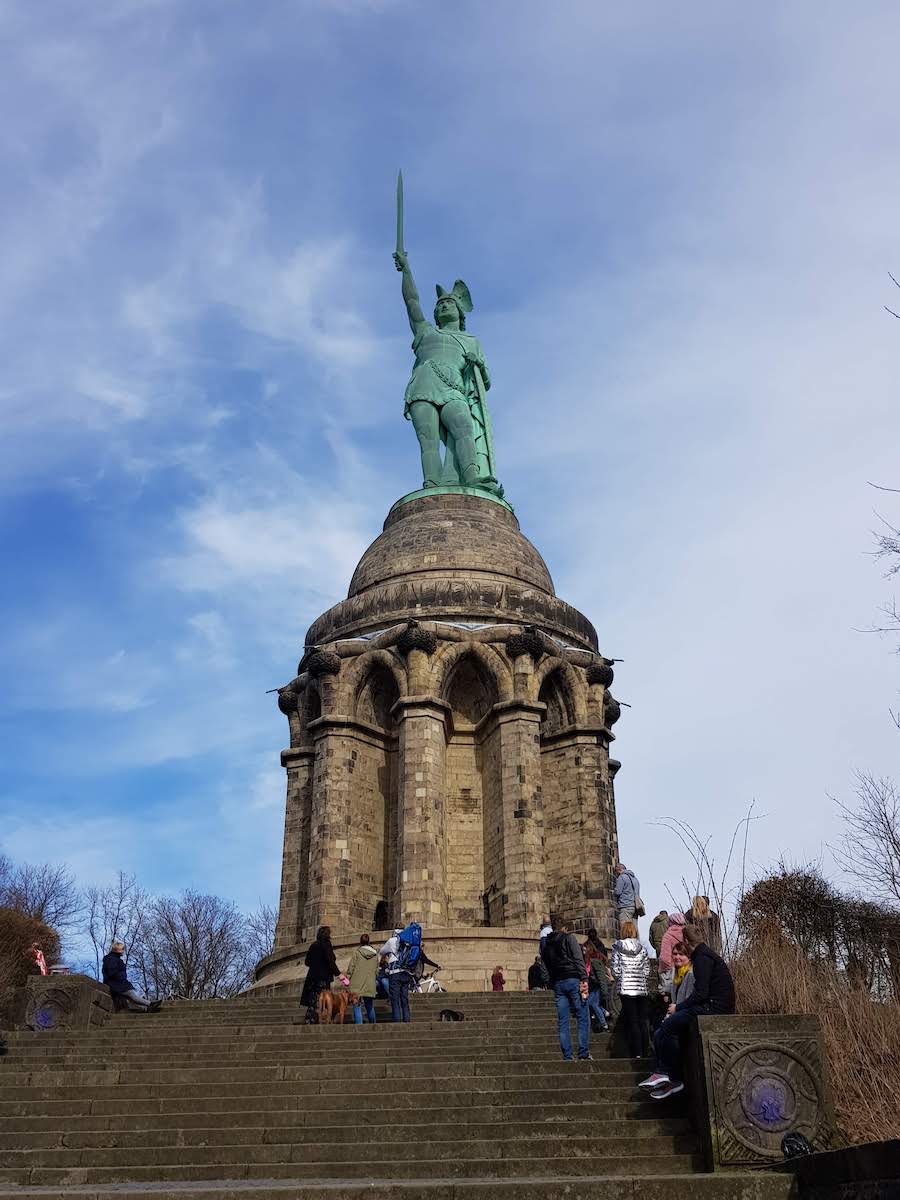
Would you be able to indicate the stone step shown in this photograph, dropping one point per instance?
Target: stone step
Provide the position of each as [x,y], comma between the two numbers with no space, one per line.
[405,1106]
[495,1166]
[254,1148]
[605,1120]
[579,1078]
[496,1067]
[322,1060]
[758,1186]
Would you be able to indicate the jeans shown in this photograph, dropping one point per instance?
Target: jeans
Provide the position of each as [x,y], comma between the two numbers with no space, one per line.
[135,999]
[667,1042]
[568,1000]
[595,1007]
[369,1002]
[398,984]
[634,1019]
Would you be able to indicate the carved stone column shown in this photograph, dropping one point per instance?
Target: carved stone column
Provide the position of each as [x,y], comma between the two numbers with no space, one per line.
[423,739]
[295,866]
[525,881]
[329,878]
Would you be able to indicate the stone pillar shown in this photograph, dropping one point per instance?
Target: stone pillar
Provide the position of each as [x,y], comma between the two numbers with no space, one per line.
[298,762]
[525,886]
[423,740]
[329,879]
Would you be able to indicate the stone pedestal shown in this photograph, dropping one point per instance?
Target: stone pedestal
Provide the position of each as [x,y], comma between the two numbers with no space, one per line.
[449,763]
[54,1003]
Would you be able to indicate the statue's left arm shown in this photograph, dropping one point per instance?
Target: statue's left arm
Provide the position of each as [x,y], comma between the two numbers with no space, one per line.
[477,358]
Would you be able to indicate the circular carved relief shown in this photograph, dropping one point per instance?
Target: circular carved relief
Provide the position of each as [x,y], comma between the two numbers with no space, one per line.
[766,1090]
[50,1010]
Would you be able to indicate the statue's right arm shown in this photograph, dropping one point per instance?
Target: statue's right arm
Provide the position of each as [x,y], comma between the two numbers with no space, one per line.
[410,294]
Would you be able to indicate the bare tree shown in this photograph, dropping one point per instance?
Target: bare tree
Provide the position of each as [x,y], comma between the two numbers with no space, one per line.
[261,931]
[869,849]
[115,913]
[45,891]
[195,947]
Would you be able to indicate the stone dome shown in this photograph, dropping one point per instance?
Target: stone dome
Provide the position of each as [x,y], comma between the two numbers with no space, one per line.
[456,557]
[435,534]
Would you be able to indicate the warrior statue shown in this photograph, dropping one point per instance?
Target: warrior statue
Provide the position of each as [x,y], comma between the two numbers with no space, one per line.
[445,397]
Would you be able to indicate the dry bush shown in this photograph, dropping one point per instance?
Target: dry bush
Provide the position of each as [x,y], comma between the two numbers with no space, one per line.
[774,976]
[17,932]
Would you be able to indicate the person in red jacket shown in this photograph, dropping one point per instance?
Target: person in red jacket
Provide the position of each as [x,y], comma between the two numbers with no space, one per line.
[497,980]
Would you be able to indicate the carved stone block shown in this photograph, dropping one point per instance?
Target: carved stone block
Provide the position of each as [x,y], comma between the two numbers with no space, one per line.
[600,673]
[414,637]
[754,1079]
[527,641]
[322,662]
[56,1002]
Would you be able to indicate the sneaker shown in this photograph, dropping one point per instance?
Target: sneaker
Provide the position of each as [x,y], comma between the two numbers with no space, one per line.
[672,1088]
[586,1058]
[654,1081]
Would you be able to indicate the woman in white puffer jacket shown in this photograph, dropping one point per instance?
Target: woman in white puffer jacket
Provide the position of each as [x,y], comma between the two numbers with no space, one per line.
[630,966]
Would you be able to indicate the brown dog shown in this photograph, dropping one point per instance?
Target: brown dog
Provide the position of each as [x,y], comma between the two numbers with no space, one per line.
[333,1006]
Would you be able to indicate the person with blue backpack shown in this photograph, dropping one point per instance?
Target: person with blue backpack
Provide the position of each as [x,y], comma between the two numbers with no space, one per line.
[402,951]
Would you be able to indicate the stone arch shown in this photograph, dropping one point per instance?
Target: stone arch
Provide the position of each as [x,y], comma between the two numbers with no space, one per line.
[470,690]
[356,675]
[568,680]
[488,659]
[558,711]
[376,696]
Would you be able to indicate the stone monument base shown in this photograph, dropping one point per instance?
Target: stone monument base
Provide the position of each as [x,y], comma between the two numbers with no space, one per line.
[467,957]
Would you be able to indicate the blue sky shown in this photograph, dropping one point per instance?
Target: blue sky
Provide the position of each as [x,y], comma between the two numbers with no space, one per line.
[676,224]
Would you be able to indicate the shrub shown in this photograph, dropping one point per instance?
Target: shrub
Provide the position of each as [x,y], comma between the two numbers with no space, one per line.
[17,932]
[861,1034]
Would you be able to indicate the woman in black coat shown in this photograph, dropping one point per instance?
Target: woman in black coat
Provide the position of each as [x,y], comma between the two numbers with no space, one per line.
[321,970]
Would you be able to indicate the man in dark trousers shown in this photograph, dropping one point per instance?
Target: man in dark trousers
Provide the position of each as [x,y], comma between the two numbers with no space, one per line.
[713,994]
[565,965]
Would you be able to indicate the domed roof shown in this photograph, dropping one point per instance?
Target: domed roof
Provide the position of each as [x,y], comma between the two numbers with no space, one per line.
[454,557]
[432,535]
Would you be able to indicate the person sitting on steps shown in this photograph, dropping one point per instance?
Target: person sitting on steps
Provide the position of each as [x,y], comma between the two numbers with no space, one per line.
[123,992]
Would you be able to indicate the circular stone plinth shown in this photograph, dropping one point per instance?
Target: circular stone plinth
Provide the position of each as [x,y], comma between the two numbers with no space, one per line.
[467,958]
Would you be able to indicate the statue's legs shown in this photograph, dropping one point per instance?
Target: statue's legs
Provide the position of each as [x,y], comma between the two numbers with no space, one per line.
[457,419]
[427,424]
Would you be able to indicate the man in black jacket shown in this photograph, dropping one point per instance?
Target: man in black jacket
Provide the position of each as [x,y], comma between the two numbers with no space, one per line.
[121,989]
[565,965]
[713,994]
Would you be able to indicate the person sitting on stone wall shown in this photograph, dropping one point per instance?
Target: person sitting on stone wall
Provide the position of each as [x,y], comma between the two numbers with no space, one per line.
[713,994]
[671,938]
[321,969]
[568,975]
[538,978]
[123,992]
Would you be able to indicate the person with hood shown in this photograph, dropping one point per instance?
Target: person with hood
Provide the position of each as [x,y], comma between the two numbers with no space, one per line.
[658,927]
[361,975]
[631,968]
[121,989]
[538,978]
[626,895]
[713,994]
[671,938]
[321,970]
[399,979]
[565,965]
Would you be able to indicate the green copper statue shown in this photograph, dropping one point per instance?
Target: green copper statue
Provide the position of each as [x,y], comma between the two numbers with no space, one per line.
[445,397]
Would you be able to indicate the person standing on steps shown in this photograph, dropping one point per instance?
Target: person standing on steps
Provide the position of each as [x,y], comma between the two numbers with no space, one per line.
[538,979]
[321,969]
[402,951]
[658,927]
[497,981]
[713,994]
[568,975]
[631,968]
[121,989]
[361,975]
[626,895]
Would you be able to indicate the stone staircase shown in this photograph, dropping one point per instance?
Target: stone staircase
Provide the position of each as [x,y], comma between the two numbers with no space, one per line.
[240,1097]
